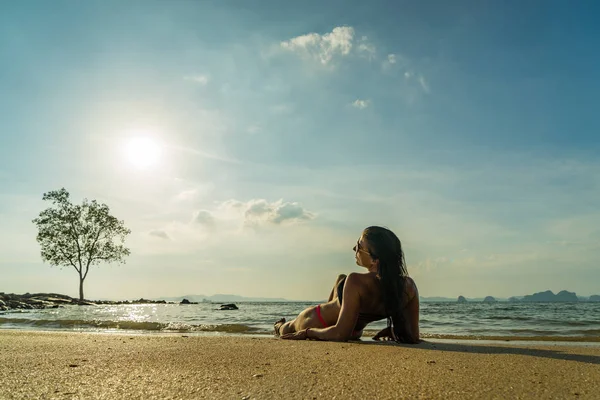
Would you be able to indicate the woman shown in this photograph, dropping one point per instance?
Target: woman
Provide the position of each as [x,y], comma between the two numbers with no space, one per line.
[384,291]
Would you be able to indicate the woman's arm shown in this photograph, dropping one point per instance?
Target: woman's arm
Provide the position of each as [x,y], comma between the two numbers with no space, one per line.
[346,322]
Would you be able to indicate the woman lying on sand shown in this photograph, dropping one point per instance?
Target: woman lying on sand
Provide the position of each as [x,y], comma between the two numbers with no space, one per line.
[384,291]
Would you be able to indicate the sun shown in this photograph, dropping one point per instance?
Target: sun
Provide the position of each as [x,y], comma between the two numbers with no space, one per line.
[142,152]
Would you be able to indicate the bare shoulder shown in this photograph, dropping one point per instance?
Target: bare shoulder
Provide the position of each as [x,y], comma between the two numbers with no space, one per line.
[355,279]
[411,287]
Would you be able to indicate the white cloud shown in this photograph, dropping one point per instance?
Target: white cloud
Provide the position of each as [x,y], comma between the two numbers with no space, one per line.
[341,42]
[411,76]
[431,264]
[231,205]
[199,79]
[260,211]
[424,84]
[395,61]
[361,104]
[203,217]
[325,47]
[192,194]
[187,195]
[159,234]
[366,49]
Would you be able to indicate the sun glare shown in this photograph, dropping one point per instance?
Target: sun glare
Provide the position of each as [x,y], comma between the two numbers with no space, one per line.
[142,152]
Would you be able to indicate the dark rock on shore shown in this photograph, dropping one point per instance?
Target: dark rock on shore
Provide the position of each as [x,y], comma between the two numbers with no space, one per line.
[186,301]
[28,301]
[489,299]
[140,301]
[461,299]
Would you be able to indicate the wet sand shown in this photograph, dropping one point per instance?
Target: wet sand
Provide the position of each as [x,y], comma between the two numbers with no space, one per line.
[44,365]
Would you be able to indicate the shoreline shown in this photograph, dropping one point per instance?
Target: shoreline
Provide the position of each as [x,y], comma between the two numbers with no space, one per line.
[98,365]
[366,338]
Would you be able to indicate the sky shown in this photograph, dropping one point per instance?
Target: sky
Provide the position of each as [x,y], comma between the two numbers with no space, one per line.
[248,144]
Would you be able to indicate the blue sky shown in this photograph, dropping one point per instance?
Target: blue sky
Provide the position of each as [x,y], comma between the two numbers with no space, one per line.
[470,128]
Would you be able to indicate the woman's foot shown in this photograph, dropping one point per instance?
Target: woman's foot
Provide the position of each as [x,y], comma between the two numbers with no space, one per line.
[278,324]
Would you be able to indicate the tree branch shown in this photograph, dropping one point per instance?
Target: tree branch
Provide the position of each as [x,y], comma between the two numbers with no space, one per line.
[69,260]
[76,238]
[91,251]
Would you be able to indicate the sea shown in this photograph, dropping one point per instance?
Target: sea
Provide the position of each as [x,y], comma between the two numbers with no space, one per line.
[571,322]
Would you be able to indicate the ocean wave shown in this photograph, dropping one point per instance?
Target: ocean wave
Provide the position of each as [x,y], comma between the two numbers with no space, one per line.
[71,324]
[508,317]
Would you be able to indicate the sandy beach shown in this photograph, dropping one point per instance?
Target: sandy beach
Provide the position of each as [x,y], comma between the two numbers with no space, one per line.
[49,365]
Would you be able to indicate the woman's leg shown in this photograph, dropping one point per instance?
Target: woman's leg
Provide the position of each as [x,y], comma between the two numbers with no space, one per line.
[307,318]
[284,327]
[277,326]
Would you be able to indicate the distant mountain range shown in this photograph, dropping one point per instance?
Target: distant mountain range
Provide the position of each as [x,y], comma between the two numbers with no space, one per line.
[547,296]
[221,298]
[563,296]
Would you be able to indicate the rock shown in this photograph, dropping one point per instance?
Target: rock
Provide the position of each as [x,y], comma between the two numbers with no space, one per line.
[548,296]
[513,299]
[461,299]
[29,301]
[20,305]
[565,296]
[40,303]
[185,301]
[54,300]
[59,300]
[489,299]
[594,297]
[229,306]
[84,303]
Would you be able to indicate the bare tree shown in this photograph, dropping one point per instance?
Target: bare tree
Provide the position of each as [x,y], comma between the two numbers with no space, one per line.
[79,235]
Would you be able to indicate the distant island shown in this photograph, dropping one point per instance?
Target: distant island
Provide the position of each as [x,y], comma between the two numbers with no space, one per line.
[489,299]
[564,296]
[223,298]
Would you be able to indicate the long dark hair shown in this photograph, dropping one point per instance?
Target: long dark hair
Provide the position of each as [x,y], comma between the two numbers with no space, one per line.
[385,246]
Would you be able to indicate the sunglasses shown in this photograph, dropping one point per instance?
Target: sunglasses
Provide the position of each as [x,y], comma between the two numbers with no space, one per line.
[357,248]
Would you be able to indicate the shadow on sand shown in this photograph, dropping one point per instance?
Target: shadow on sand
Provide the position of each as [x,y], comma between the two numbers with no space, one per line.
[491,349]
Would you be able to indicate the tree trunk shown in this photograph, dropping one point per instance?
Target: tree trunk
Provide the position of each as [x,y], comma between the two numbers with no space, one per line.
[81,288]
